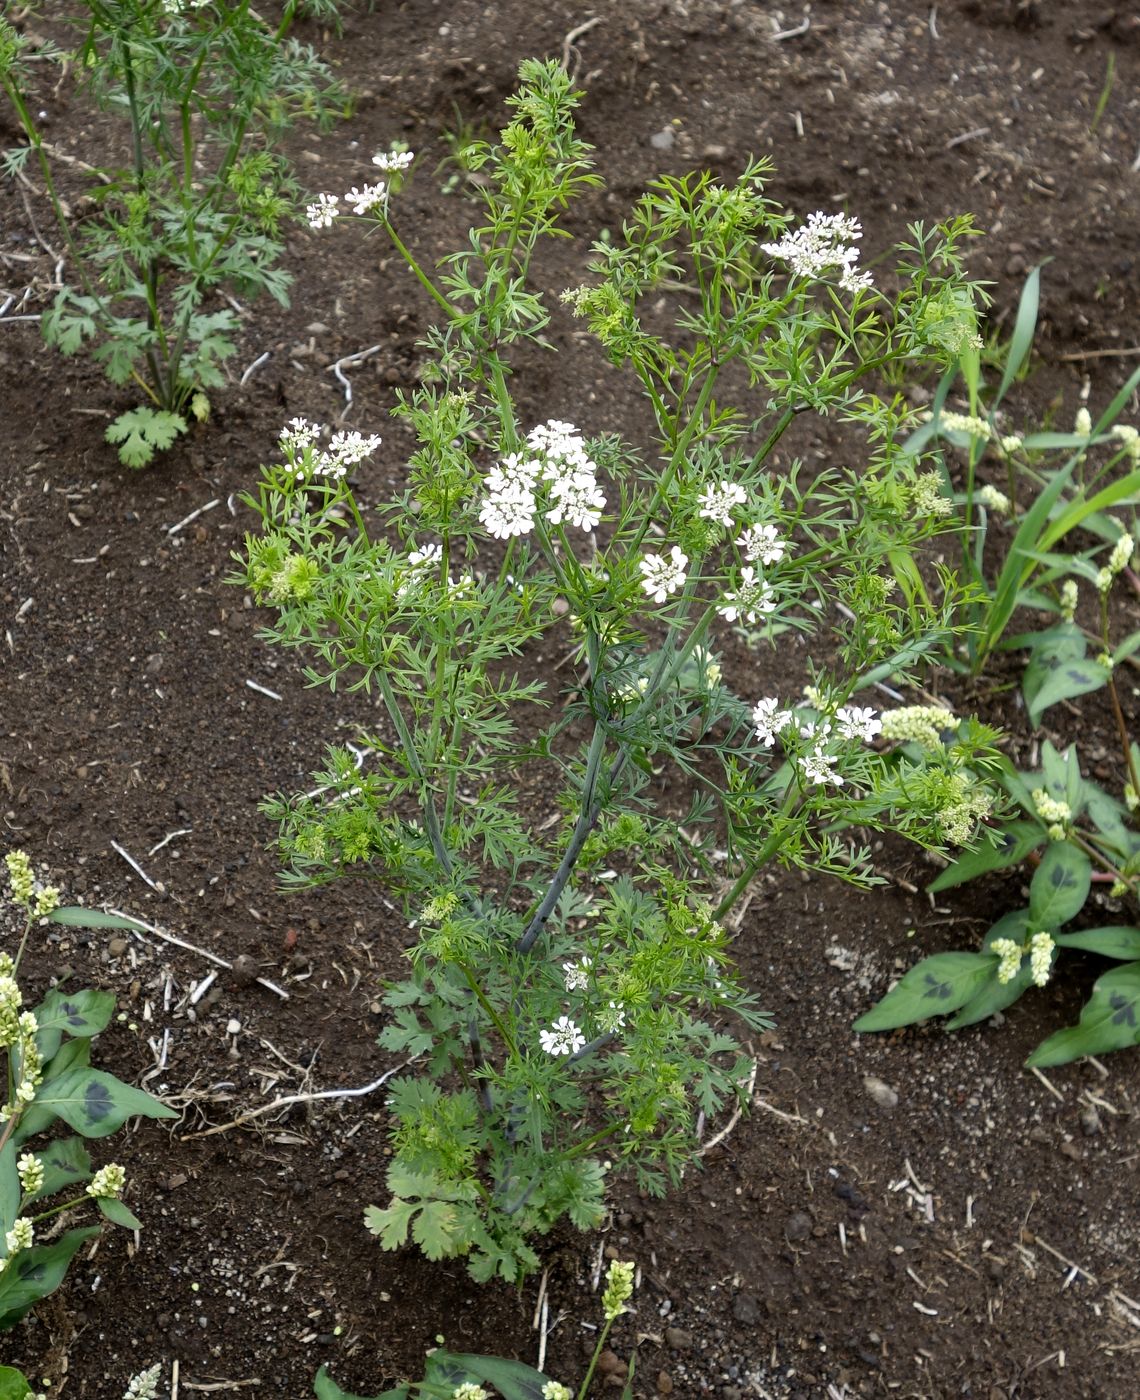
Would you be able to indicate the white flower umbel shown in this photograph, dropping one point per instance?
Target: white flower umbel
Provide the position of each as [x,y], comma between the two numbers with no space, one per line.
[577,974]
[563,1038]
[769,720]
[577,500]
[762,544]
[369,198]
[754,598]
[612,1017]
[720,500]
[858,722]
[323,212]
[507,513]
[298,434]
[821,246]
[817,768]
[660,576]
[393,160]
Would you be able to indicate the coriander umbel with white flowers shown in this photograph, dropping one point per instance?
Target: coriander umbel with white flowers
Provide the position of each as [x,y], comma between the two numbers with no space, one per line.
[48,1077]
[205,88]
[571,989]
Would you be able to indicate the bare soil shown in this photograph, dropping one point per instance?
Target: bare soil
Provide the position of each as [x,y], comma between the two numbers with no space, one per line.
[980,1238]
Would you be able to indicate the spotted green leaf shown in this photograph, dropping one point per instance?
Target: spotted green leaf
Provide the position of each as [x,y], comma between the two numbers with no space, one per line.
[1110,1020]
[95,1103]
[1059,887]
[935,987]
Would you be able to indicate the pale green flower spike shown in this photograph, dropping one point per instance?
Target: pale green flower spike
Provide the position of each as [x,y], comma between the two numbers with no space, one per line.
[919,724]
[619,1289]
[1040,957]
[555,1390]
[20,876]
[995,501]
[1069,599]
[31,1173]
[469,1391]
[1010,954]
[108,1181]
[1049,809]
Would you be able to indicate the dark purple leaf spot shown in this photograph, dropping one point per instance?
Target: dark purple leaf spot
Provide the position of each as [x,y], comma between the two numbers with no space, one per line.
[1125,1009]
[97,1101]
[940,991]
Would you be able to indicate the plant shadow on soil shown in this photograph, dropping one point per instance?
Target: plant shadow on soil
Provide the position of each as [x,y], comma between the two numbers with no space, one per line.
[922,1249]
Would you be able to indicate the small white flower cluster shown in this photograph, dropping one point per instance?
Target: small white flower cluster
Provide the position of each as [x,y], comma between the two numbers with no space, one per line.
[753,598]
[762,544]
[821,245]
[1069,596]
[1082,425]
[37,900]
[17,1036]
[179,7]
[918,724]
[577,974]
[563,1038]
[470,1391]
[326,208]
[817,765]
[661,576]
[994,500]
[557,455]
[720,500]
[1011,443]
[346,449]
[555,1390]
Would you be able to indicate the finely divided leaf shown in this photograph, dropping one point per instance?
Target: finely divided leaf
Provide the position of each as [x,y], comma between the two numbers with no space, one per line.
[1015,843]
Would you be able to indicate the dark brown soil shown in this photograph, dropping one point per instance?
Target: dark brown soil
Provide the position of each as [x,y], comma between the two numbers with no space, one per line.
[830,1246]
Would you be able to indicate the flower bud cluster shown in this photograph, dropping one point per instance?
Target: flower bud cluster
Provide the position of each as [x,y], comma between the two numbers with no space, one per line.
[19,1237]
[1057,815]
[1069,596]
[108,1181]
[965,423]
[1010,954]
[1041,947]
[994,500]
[618,1290]
[926,498]
[919,724]
[1130,437]
[30,1170]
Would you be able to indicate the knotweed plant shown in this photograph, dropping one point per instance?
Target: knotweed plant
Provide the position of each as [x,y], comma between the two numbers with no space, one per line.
[194,215]
[544,610]
[48,1077]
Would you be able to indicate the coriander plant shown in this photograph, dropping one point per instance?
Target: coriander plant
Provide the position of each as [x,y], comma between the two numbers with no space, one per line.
[195,213]
[571,1002]
[49,1077]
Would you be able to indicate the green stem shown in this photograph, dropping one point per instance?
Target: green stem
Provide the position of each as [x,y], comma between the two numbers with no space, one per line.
[764,855]
[605,1332]
[415,767]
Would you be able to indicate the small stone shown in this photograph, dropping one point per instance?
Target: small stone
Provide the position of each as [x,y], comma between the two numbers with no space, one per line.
[316,328]
[882,1093]
[663,140]
[1072,1151]
[745,1309]
[117,947]
[233,1026]
[732,1392]
[610,1364]
[664,1383]
[244,969]
[1090,1121]
[797,1227]
[678,1338]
